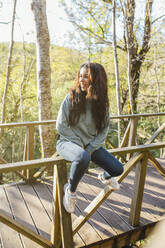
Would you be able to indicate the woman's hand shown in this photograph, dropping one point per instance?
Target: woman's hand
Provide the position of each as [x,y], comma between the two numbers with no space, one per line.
[84,147]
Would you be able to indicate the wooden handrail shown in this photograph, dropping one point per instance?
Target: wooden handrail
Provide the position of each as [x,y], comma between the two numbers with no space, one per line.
[137,115]
[22,124]
[47,122]
[128,139]
[38,163]
[138,148]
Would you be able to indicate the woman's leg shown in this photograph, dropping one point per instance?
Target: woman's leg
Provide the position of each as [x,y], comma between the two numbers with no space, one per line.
[80,161]
[108,162]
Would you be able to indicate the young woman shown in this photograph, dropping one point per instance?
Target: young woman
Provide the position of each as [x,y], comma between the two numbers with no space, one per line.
[82,123]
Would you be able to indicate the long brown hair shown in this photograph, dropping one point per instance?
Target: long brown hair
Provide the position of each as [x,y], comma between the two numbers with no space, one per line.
[97,92]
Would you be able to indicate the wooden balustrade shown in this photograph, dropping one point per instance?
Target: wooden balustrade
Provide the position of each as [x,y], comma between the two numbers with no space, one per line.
[62,232]
[129,137]
[61,225]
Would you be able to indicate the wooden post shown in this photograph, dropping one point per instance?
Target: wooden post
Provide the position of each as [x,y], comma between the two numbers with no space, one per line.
[55,232]
[61,217]
[30,142]
[125,139]
[29,150]
[136,204]
[126,135]
[132,133]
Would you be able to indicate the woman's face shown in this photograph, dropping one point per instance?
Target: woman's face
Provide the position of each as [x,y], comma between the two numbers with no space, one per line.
[83,79]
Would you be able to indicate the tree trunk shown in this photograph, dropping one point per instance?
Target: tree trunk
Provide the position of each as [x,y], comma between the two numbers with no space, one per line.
[131,49]
[8,71]
[43,76]
[135,81]
[136,59]
[22,82]
[116,67]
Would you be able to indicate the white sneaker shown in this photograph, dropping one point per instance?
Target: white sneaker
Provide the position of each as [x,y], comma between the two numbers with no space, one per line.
[69,199]
[111,181]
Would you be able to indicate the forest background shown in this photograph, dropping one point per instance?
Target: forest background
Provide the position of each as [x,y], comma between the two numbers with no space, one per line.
[93,38]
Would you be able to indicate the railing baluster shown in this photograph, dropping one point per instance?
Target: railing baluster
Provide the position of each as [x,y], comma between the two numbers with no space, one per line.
[126,135]
[138,191]
[64,217]
[56,231]
[125,139]
[29,150]
[25,155]
[132,133]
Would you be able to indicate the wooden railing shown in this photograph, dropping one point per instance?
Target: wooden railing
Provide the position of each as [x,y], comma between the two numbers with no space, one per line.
[62,231]
[129,139]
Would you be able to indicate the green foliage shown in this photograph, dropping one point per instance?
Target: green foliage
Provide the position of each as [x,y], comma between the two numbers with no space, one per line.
[64,65]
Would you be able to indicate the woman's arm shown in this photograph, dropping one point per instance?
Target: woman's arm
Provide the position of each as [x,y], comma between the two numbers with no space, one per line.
[62,122]
[99,140]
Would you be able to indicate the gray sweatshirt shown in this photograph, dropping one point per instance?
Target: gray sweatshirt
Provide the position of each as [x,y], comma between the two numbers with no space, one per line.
[84,133]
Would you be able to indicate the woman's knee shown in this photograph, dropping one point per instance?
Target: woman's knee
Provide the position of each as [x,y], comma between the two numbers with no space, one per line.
[85,157]
[119,169]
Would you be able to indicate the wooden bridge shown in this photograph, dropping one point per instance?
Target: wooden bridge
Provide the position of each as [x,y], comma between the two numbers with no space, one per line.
[32,213]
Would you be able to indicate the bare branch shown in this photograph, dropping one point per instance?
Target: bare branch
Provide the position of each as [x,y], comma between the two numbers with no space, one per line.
[5,22]
[107,1]
[100,39]
[124,35]
[147,28]
[157,19]
[93,17]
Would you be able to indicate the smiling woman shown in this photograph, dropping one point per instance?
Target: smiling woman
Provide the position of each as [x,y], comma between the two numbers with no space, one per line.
[83,78]
[82,124]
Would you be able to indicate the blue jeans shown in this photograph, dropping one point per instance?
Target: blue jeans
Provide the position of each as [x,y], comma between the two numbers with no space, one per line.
[80,161]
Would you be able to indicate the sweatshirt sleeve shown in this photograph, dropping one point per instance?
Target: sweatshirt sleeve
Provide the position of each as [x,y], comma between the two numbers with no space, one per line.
[62,122]
[99,140]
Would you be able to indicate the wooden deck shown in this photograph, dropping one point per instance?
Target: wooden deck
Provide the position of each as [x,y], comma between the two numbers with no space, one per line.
[31,204]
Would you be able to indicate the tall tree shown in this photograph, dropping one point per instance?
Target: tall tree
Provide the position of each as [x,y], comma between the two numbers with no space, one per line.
[8,70]
[43,76]
[116,66]
[101,32]
[136,53]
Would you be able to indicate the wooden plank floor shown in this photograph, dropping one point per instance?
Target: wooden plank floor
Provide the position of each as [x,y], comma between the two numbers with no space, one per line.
[32,206]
